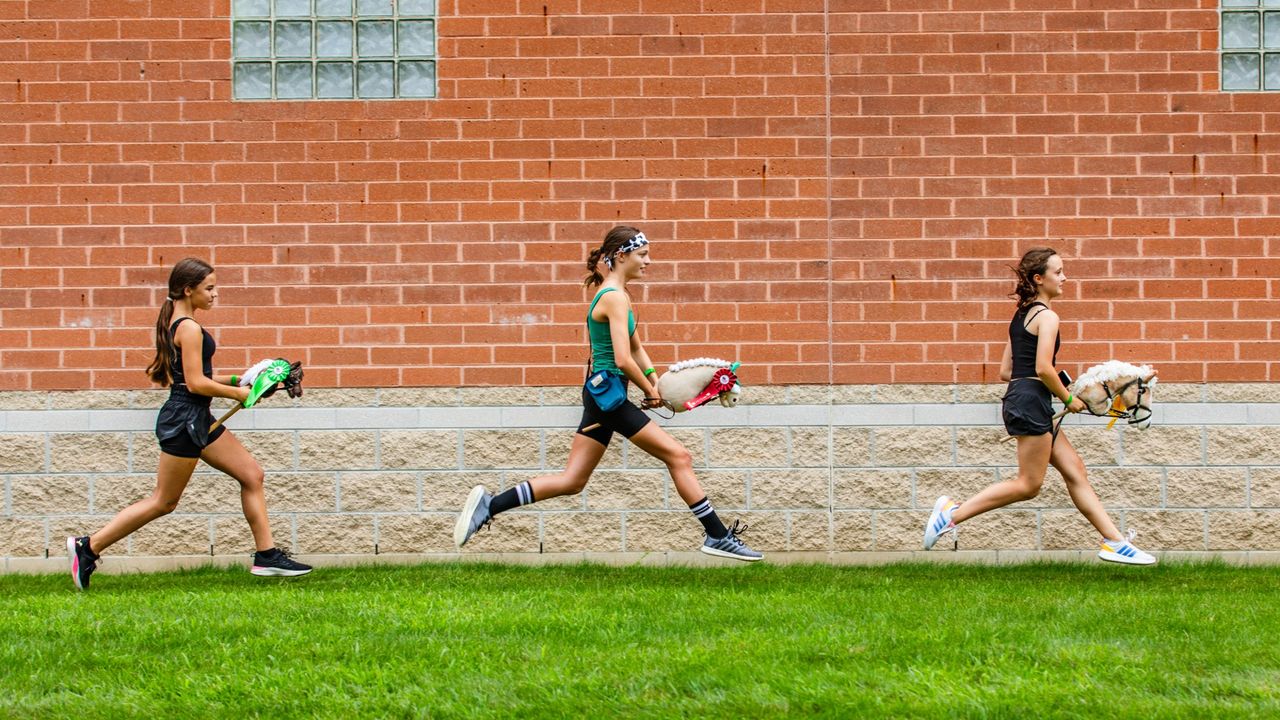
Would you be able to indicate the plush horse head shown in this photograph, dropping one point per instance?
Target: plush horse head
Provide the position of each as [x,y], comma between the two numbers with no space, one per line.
[689,384]
[1118,390]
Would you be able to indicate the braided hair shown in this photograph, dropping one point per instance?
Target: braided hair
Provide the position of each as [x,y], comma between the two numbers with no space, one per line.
[1034,262]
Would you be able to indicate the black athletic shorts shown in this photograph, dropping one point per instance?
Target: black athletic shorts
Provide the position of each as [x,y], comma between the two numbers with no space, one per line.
[1027,407]
[600,425]
[182,427]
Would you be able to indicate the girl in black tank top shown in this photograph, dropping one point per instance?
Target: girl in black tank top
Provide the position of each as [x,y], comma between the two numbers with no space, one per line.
[184,361]
[1029,366]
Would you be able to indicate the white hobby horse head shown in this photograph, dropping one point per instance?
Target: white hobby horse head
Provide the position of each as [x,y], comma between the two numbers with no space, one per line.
[689,384]
[1118,390]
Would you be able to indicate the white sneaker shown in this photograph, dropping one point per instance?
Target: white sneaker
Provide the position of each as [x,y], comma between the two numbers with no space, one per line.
[474,515]
[1123,551]
[939,521]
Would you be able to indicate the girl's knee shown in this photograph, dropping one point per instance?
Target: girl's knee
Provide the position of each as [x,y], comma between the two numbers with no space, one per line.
[1028,488]
[253,479]
[679,458]
[575,485]
[163,505]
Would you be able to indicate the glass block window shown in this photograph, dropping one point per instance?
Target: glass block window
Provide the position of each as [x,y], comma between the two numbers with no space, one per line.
[333,49]
[1250,45]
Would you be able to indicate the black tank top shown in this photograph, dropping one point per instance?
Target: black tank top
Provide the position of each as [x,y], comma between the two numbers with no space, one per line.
[1023,343]
[175,364]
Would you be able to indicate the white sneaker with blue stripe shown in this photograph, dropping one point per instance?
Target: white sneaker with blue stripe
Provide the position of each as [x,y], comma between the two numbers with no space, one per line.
[939,521]
[1123,551]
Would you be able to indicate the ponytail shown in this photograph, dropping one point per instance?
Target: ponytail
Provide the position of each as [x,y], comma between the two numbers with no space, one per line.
[1034,262]
[188,273]
[613,241]
[594,278]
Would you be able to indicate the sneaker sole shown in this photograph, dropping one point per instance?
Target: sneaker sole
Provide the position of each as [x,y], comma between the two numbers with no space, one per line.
[464,518]
[75,563]
[276,572]
[729,555]
[937,510]
[1121,559]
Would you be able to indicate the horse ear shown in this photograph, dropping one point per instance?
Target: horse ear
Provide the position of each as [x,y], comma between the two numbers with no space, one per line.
[1150,377]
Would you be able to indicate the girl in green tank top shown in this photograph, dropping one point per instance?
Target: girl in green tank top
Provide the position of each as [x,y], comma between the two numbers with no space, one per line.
[615,347]
[601,341]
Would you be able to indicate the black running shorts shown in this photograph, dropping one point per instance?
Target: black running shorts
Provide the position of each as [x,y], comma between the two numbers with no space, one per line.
[600,425]
[1026,408]
[182,427]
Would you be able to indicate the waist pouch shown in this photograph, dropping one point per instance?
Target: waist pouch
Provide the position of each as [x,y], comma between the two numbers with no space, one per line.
[606,389]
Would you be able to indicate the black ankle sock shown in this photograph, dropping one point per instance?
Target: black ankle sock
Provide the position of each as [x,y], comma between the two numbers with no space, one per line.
[709,519]
[521,494]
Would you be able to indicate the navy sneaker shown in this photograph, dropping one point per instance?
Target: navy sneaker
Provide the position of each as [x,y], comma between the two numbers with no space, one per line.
[83,561]
[731,546]
[474,515]
[277,563]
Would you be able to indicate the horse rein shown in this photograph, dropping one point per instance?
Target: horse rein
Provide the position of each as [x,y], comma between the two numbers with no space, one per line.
[1131,413]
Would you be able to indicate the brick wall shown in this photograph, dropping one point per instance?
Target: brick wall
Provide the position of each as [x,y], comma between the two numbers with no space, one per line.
[834,189]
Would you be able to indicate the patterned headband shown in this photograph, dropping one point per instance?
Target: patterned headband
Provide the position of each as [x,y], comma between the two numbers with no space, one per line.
[633,244]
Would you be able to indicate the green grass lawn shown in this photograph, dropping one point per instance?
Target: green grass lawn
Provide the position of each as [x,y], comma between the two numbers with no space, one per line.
[462,640]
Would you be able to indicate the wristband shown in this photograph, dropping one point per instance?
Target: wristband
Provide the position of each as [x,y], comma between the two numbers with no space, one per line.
[235,379]
[1070,397]
[649,372]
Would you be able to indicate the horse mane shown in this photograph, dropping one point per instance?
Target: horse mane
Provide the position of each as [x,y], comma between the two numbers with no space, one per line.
[699,362]
[1108,371]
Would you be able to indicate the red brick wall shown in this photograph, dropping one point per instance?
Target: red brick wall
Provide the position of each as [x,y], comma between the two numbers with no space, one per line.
[834,190]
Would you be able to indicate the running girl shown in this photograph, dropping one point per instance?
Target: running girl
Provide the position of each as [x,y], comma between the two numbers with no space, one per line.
[184,362]
[1029,368]
[615,348]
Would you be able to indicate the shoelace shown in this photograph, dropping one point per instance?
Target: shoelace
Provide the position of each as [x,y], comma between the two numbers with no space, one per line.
[1126,539]
[735,530]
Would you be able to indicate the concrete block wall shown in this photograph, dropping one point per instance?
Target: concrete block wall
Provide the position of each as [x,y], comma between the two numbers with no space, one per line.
[818,472]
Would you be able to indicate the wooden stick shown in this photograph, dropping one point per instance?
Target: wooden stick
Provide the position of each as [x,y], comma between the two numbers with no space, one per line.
[226,416]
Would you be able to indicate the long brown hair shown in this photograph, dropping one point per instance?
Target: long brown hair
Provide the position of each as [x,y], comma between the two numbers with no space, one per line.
[613,240]
[1034,262]
[188,273]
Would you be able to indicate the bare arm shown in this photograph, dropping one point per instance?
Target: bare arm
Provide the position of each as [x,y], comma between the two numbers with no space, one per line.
[642,359]
[615,309]
[1047,333]
[1006,364]
[190,337]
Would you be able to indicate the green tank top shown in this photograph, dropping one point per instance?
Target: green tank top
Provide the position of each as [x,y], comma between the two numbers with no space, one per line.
[601,342]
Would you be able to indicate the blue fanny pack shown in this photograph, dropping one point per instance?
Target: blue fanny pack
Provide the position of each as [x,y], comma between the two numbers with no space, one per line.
[606,389]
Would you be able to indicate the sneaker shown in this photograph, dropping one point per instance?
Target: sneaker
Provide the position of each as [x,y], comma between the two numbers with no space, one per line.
[277,563]
[1123,551]
[731,546]
[474,515]
[939,521]
[83,561]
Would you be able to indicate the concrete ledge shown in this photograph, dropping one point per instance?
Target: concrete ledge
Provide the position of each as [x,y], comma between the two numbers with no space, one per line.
[120,565]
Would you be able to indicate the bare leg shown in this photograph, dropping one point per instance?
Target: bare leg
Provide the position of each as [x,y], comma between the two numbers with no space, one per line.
[1068,462]
[228,455]
[659,443]
[1033,461]
[584,456]
[172,476]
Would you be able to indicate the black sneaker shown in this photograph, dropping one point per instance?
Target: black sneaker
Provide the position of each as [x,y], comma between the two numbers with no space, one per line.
[277,563]
[83,561]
